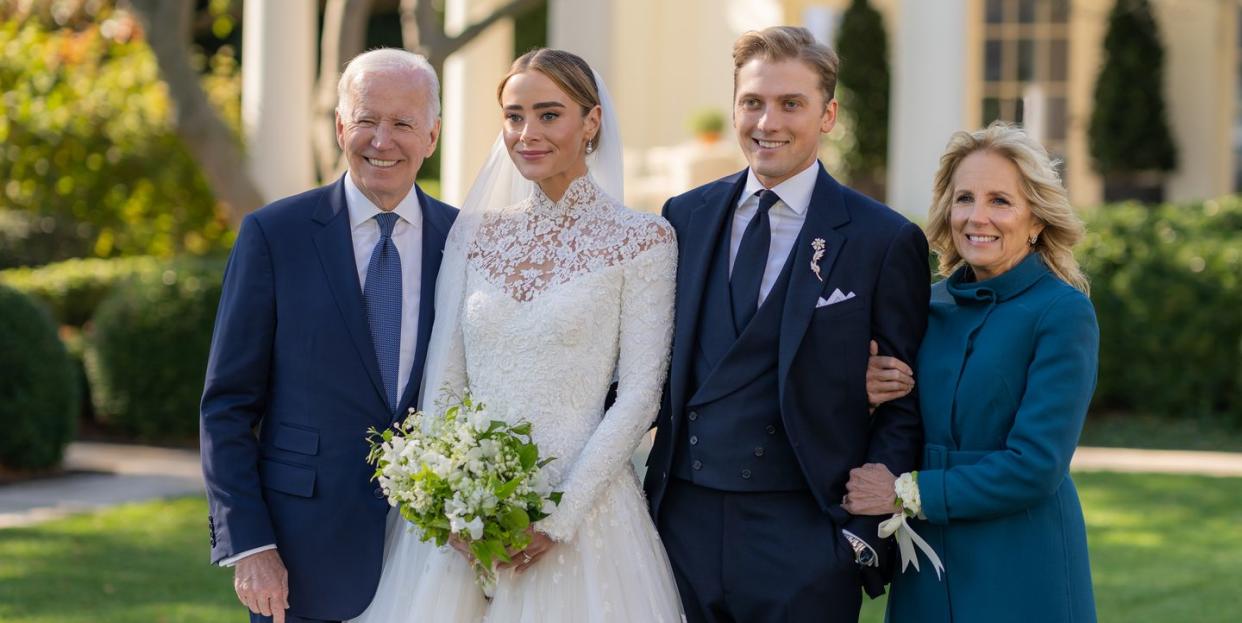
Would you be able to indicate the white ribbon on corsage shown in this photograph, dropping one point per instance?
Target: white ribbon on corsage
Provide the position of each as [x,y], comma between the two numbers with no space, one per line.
[907,539]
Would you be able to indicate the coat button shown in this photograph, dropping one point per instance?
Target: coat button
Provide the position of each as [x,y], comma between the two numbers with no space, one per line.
[694,415]
[746,474]
[379,493]
[697,464]
[759,451]
[771,429]
[694,440]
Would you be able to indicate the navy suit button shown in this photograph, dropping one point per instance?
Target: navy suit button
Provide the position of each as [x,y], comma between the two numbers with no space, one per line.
[759,451]
[771,429]
[697,464]
[664,475]
[694,440]
[379,493]
[694,415]
[746,474]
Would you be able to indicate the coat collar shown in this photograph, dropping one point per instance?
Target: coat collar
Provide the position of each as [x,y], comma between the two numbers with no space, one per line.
[1002,287]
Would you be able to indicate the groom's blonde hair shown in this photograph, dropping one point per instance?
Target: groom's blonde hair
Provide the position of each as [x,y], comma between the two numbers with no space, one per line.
[780,43]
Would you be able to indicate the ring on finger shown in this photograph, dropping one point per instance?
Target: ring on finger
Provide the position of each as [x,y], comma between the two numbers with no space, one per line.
[526,558]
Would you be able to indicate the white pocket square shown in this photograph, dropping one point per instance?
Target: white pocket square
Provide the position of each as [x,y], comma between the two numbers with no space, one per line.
[836,297]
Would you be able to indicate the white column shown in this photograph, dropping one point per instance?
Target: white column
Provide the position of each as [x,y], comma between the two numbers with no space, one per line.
[471,117]
[583,27]
[278,70]
[928,97]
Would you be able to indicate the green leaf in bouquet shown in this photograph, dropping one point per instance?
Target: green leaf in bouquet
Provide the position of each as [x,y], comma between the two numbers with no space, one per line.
[515,519]
[522,428]
[555,496]
[528,454]
[504,491]
[544,462]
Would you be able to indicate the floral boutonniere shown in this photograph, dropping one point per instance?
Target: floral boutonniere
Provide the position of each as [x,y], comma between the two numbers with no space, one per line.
[819,246]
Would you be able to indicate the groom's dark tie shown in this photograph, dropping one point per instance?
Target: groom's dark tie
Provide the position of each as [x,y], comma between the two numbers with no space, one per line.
[382,294]
[751,259]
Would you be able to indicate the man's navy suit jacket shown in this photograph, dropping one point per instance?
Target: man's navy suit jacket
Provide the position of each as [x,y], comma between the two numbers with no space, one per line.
[870,250]
[292,387]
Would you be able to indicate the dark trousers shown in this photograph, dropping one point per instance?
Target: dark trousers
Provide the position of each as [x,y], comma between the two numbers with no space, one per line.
[757,557]
[289,618]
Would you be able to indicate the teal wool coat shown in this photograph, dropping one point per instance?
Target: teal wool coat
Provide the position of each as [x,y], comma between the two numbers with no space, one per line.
[1005,374]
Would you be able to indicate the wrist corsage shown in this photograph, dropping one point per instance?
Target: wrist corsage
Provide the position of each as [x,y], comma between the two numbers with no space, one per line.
[909,504]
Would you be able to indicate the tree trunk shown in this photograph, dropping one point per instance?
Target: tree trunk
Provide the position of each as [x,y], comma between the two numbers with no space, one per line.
[166,26]
[344,36]
[422,32]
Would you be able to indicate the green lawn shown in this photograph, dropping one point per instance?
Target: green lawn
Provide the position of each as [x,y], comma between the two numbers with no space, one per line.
[1132,430]
[1163,548]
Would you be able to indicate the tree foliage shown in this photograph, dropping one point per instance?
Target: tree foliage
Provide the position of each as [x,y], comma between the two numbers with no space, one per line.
[88,148]
[863,82]
[1129,129]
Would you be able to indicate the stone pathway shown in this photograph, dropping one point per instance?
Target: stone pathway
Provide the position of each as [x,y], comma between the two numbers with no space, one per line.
[103,475]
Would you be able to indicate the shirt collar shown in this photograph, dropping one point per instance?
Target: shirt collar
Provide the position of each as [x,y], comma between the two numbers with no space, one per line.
[794,192]
[361,209]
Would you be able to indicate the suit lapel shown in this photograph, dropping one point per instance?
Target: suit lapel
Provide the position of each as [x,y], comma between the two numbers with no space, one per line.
[826,213]
[698,249]
[336,253]
[436,224]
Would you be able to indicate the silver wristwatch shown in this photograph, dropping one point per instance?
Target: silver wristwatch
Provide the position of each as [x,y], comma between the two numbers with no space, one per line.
[863,555]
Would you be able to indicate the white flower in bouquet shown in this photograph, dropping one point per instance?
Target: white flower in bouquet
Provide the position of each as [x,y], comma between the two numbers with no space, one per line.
[468,476]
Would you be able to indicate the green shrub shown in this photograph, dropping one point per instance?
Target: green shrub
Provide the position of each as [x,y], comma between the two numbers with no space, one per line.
[1165,283]
[38,386]
[147,352]
[73,289]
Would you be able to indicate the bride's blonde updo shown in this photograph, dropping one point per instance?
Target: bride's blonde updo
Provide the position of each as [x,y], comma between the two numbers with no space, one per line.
[567,70]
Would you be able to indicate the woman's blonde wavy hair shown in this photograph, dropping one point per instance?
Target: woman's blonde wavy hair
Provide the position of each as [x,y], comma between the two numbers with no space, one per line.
[1041,186]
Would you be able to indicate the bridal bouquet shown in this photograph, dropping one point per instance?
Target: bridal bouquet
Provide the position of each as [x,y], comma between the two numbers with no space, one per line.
[466,475]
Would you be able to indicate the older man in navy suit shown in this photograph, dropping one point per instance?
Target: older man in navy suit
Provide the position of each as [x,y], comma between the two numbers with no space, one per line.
[321,334]
[784,277]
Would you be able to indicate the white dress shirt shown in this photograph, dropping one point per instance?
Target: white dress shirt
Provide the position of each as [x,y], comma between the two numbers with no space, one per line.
[786,216]
[407,234]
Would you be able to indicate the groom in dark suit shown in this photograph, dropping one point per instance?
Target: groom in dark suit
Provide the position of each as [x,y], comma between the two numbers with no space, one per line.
[784,277]
[321,334]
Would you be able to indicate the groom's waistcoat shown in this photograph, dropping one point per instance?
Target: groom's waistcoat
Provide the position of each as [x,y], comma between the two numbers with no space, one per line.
[733,438]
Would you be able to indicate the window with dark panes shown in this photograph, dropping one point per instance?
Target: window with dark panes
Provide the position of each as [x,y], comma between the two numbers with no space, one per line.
[1026,67]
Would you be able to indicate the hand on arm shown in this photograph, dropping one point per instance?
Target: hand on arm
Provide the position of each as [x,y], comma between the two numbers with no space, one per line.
[888,378]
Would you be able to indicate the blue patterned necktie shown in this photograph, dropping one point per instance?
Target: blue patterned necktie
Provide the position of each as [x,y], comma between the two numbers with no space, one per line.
[382,294]
[751,259]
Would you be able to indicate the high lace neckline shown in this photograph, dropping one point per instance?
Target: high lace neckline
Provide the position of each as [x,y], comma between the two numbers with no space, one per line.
[581,191]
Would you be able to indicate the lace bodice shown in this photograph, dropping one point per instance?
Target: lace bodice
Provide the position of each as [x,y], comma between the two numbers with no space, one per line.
[561,298]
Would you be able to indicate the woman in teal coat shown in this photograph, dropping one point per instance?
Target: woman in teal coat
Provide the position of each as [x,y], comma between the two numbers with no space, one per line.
[1005,374]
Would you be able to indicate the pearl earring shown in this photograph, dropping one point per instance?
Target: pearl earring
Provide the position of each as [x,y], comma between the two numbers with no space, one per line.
[1033,239]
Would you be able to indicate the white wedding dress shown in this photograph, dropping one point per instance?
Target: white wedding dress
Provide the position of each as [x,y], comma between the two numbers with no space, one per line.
[560,298]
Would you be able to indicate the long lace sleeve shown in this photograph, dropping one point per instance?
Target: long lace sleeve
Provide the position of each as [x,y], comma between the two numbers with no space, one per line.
[646,329]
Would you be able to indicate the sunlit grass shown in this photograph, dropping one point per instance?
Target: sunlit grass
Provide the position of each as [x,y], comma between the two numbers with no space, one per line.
[1163,548]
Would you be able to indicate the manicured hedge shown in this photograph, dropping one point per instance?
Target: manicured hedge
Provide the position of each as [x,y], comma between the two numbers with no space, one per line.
[38,385]
[73,289]
[1167,286]
[147,352]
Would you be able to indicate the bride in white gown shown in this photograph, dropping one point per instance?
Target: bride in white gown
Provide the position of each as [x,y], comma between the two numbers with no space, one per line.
[548,292]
